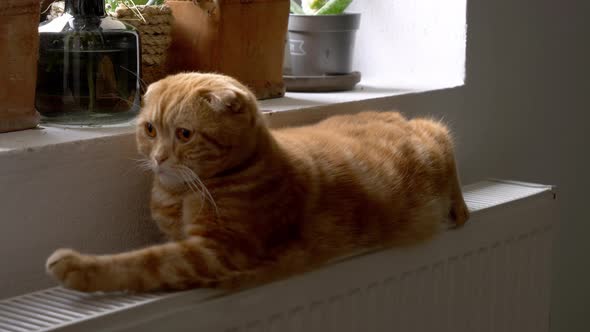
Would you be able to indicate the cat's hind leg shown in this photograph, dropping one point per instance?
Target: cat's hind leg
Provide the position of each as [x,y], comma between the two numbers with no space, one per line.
[459,213]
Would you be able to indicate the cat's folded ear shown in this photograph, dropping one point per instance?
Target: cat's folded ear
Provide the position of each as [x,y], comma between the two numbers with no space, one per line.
[225,100]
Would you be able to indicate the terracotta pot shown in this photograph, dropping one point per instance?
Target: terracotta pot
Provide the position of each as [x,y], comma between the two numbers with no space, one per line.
[19,42]
[241,38]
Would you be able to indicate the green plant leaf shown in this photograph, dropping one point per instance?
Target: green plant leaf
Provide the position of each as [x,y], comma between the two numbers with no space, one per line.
[307,6]
[334,7]
[296,9]
[316,4]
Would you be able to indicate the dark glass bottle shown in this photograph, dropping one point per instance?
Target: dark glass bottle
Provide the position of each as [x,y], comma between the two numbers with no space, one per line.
[89,67]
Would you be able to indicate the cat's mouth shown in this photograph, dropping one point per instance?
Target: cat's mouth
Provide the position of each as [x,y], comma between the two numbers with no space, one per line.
[168,177]
[162,172]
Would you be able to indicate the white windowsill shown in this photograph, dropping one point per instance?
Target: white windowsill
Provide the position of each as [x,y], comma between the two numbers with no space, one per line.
[48,135]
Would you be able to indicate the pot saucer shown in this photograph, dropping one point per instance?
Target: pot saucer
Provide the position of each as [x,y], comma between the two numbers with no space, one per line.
[325,83]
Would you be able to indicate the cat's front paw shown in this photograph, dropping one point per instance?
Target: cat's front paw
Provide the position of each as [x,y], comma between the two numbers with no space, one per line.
[72,269]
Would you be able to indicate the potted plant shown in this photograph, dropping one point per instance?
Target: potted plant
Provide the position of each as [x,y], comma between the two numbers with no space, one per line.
[18,57]
[321,37]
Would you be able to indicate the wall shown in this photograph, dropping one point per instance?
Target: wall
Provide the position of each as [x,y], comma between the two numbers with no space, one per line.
[88,195]
[417,43]
[523,114]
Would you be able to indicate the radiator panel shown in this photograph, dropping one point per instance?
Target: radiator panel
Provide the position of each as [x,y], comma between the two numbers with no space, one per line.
[491,275]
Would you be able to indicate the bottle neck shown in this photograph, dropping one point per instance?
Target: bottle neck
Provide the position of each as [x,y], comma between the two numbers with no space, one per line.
[85,8]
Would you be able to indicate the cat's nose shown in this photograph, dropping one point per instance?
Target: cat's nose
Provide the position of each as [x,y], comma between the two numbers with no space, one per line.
[160,159]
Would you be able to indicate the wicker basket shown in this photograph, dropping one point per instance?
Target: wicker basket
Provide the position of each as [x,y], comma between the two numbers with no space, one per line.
[154,28]
[19,43]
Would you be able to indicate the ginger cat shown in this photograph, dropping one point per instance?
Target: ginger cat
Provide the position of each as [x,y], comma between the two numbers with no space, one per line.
[243,204]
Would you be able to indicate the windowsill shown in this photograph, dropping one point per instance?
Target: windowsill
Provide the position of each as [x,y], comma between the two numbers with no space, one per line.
[48,135]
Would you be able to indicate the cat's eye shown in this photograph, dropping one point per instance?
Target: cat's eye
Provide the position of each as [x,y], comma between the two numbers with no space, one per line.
[150,130]
[184,134]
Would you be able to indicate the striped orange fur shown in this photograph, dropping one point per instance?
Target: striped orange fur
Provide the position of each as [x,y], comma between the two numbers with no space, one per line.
[244,204]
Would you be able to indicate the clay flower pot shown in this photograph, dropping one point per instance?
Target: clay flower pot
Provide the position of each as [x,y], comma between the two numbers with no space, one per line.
[19,42]
[243,39]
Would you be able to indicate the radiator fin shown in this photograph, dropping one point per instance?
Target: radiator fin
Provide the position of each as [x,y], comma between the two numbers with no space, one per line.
[50,308]
[486,194]
[448,291]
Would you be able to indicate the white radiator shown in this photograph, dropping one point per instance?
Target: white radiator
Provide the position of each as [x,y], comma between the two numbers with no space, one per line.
[491,275]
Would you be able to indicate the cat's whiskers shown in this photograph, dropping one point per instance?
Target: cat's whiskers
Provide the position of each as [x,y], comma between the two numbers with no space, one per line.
[190,182]
[129,103]
[193,183]
[179,172]
[195,180]
[192,186]
[143,164]
[143,84]
[185,179]
[205,190]
[131,169]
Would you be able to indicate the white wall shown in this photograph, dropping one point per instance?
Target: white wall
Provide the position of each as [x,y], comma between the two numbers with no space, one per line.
[411,43]
[524,114]
[87,195]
